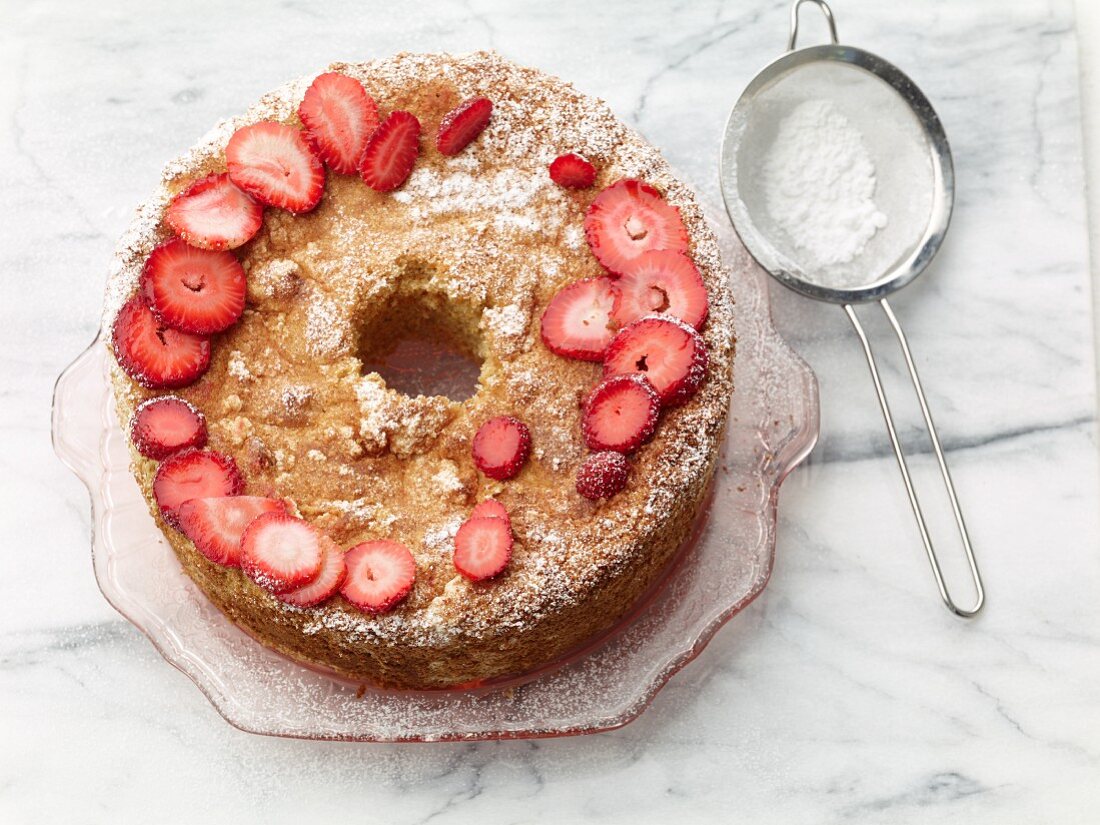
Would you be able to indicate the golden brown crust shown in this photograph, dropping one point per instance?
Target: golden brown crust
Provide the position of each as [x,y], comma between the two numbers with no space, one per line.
[477,244]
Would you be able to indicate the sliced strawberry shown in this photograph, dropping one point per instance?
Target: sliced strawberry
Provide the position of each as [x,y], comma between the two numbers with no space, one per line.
[602,475]
[501,446]
[577,321]
[461,126]
[214,214]
[620,414]
[339,117]
[660,281]
[572,171]
[215,525]
[165,425]
[153,354]
[490,508]
[280,552]
[273,163]
[628,218]
[193,290]
[667,351]
[380,574]
[483,548]
[334,571]
[391,152]
[194,474]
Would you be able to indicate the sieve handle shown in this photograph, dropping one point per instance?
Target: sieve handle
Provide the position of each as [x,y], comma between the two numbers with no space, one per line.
[904,467]
[825,10]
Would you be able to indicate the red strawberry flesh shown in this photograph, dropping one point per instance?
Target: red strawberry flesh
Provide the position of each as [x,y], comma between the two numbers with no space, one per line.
[628,218]
[461,126]
[334,571]
[273,163]
[602,475]
[152,353]
[577,321]
[660,281]
[165,425]
[194,474]
[490,508]
[572,171]
[667,351]
[339,118]
[380,574]
[216,525]
[501,446]
[391,152]
[483,548]
[620,414]
[193,290]
[213,213]
[280,552]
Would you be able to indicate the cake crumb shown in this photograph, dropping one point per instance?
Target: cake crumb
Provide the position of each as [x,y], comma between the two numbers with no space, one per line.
[278,278]
[237,367]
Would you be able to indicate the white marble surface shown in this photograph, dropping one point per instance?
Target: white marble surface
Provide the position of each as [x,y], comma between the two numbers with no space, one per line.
[845,693]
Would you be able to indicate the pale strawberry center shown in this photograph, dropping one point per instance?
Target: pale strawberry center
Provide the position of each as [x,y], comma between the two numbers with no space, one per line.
[193,281]
[175,430]
[595,313]
[658,299]
[635,228]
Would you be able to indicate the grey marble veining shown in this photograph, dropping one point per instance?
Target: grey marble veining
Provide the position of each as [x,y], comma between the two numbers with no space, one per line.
[845,693]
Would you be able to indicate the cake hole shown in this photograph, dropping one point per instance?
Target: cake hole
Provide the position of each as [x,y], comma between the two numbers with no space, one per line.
[420,349]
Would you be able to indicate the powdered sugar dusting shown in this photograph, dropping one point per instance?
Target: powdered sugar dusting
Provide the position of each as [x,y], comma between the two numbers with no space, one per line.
[238,368]
[446,480]
[508,324]
[325,327]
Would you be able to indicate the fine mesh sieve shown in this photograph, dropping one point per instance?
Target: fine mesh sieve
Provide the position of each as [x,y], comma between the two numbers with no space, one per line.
[901,133]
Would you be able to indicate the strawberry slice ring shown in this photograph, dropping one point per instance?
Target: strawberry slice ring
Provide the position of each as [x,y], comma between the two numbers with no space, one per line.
[153,354]
[501,447]
[212,213]
[339,118]
[668,352]
[166,424]
[660,281]
[620,414]
[380,574]
[577,321]
[461,126]
[194,474]
[193,290]
[490,508]
[602,475]
[334,571]
[216,525]
[391,152]
[281,553]
[628,218]
[483,548]
[274,164]
[572,171]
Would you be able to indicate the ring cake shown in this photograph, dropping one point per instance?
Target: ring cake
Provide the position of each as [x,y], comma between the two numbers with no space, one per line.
[422,541]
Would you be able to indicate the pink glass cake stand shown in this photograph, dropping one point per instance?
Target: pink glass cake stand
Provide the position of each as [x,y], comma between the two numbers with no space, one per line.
[773,425]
